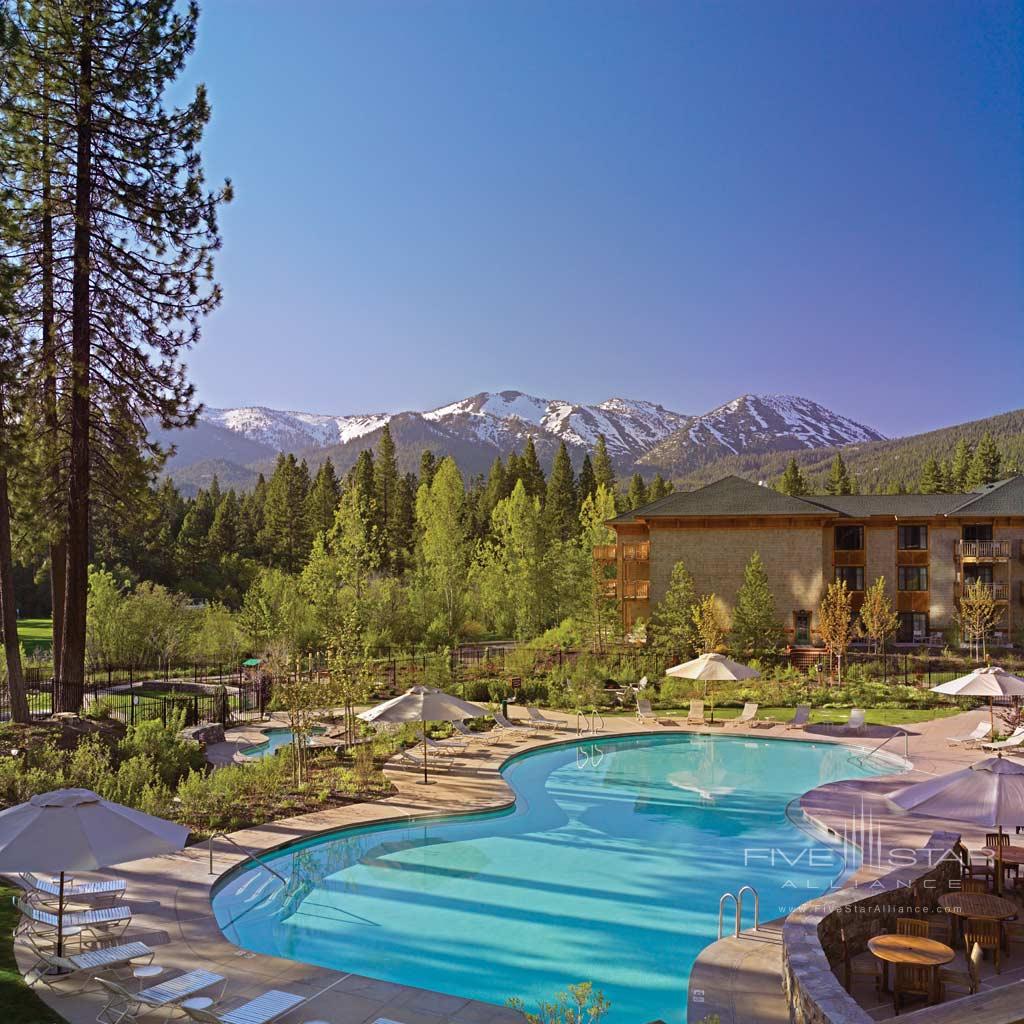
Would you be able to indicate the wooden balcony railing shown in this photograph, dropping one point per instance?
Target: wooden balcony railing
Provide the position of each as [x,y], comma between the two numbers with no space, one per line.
[638,552]
[635,590]
[999,591]
[604,553]
[609,588]
[983,550]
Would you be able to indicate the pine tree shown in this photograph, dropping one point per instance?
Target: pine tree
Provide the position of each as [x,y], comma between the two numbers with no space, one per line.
[756,631]
[931,477]
[792,482]
[946,477]
[532,475]
[428,466]
[985,463]
[838,477]
[386,479]
[587,482]
[659,488]
[322,501]
[560,506]
[404,522]
[143,238]
[224,529]
[604,473]
[671,628]
[592,580]
[960,468]
[285,534]
[637,494]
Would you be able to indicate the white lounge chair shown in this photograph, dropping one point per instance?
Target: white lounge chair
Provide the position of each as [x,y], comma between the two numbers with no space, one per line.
[48,891]
[536,718]
[90,962]
[417,759]
[854,725]
[100,921]
[696,713]
[123,1005]
[1015,740]
[748,716]
[644,712]
[981,731]
[443,749]
[262,1010]
[513,727]
[801,719]
[469,734]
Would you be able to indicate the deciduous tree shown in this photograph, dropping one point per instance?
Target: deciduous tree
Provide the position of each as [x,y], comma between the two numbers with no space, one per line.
[878,619]
[836,623]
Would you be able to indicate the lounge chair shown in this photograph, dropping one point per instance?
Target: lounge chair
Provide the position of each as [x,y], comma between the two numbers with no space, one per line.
[513,727]
[536,718]
[854,725]
[644,712]
[90,962]
[99,922]
[748,716]
[469,734]
[443,749]
[696,714]
[801,719]
[262,1010]
[972,739]
[123,1005]
[48,891]
[417,759]
[1015,740]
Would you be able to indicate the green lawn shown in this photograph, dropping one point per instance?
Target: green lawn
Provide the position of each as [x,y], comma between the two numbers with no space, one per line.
[20,1004]
[35,633]
[875,716]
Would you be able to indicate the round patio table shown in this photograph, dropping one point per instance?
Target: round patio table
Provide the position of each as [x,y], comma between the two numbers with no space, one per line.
[978,904]
[913,951]
[1010,856]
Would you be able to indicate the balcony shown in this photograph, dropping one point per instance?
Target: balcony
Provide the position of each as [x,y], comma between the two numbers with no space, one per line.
[604,553]
[608,588]
[999,591]
[638,552]
[983,550]
[635,590]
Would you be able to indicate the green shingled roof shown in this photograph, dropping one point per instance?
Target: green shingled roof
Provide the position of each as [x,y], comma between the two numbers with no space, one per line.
[734,496]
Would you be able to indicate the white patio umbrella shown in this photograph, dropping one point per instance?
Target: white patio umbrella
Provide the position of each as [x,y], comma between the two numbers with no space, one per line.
[423,704]
[713,668]
[984,682]
[77,830]
[989,793]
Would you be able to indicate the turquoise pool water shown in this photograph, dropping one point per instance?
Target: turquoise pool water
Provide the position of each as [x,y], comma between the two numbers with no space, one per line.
[276,739]
[608,869]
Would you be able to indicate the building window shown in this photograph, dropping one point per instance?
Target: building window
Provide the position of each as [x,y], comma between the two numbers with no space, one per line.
[852,575]
[978,531]
[913,628]
[802,632]
[979,574]
[912,577]
[849,538]
[913,538]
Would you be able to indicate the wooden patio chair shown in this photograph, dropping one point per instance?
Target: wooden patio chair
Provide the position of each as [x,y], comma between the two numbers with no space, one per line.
[970,980]
[916,926]
[987,934]
[860,965]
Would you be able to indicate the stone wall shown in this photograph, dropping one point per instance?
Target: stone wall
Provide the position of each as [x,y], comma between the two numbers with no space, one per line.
[811,947]
[716,558]
[942,575]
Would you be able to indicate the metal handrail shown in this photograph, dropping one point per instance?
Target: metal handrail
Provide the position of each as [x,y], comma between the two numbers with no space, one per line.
[248,855]
[579,729]
[721,910]
[594,716]
[739,907]
[906,747]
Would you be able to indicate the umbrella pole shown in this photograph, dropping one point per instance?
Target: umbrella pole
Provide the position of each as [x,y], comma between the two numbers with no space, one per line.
[424,753]
[999,860]
[60,917]
[991,719]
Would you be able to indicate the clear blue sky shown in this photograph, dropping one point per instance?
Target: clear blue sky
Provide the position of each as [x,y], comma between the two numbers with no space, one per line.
[676,201]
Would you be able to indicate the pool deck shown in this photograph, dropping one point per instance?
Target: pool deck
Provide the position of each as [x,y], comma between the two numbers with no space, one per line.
[170,896]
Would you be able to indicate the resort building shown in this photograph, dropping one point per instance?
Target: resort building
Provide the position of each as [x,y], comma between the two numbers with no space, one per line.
[927,546]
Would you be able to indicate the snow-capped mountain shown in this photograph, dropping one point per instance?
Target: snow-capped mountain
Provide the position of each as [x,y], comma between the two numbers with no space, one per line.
[238,443]
[503,419]
[755,424]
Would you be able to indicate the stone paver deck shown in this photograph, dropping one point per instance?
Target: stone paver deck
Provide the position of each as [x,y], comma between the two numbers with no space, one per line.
[170,896]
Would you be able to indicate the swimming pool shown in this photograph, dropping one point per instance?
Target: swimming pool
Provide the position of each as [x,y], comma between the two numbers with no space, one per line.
[609,868]
[276,739]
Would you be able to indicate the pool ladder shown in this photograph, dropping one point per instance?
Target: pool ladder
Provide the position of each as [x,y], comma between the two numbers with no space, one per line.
[737,898]
[583,724]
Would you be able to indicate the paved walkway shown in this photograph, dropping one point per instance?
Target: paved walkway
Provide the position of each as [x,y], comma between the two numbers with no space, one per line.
[170,897]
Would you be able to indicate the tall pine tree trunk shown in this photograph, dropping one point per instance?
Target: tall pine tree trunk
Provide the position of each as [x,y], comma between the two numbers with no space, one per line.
[58,549]
[8,609]
[72,656]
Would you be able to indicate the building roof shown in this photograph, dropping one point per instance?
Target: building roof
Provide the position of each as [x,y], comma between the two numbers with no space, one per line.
[730,496]
[1003,498]
[734,496]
